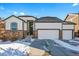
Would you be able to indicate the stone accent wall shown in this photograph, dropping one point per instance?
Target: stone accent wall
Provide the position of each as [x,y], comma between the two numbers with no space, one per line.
[10,35]
[35,34]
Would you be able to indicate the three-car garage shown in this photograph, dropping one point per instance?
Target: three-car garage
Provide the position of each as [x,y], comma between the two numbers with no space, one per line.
[55,34]
[54,28]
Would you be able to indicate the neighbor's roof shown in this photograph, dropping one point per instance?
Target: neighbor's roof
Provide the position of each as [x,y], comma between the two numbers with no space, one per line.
[71,15]
[49,19]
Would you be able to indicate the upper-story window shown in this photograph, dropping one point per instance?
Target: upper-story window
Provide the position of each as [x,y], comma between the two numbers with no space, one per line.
[14,26]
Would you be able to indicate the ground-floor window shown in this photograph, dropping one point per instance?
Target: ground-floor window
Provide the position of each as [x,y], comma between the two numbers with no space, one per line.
[14,26]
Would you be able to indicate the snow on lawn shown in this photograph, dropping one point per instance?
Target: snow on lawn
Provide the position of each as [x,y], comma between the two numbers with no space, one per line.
[16,48]
[11,52]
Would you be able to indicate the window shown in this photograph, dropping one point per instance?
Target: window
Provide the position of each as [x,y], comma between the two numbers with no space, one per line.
[14,26]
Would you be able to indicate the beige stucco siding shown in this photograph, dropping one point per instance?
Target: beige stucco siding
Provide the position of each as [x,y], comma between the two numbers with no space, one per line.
[14,19]
[48,26]
[27,18]
[68,26]
[25,26]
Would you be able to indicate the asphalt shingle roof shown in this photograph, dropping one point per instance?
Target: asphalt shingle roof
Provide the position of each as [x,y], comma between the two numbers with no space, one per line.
[52,19]
[49,19]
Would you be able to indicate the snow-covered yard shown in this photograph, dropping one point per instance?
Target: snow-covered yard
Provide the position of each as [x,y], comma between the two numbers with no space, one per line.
[20,48]
[54,47]
[16,48]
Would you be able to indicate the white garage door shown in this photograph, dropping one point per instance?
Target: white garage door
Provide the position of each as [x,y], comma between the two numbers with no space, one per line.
[48,34]
[67,34]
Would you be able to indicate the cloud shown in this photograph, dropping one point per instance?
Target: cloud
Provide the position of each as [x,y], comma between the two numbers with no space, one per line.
[75,4]
[22,13]
[2,8]
[14,12]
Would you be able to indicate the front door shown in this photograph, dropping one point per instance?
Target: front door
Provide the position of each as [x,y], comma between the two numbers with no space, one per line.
[30,27]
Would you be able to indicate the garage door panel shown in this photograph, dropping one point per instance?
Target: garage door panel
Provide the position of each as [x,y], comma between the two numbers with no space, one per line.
[48,34]
[67,34]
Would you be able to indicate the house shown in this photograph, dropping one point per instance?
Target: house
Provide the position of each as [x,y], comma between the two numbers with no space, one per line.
[74,17]
[41,28]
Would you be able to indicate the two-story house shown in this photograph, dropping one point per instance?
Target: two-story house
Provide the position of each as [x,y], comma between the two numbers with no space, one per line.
[74,17]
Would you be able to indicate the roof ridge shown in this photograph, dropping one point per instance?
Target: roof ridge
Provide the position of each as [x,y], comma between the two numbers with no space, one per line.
[47,16]
[25,16]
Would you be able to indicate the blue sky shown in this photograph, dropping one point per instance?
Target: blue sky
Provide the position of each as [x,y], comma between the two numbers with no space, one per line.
[38,9]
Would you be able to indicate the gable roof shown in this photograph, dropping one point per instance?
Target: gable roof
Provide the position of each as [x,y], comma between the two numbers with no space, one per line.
[15,17]
[49,19]
[66,16]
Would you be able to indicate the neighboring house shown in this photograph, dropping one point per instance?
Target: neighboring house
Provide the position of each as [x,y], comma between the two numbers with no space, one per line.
[53,28]
[74,17]
[41,28]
